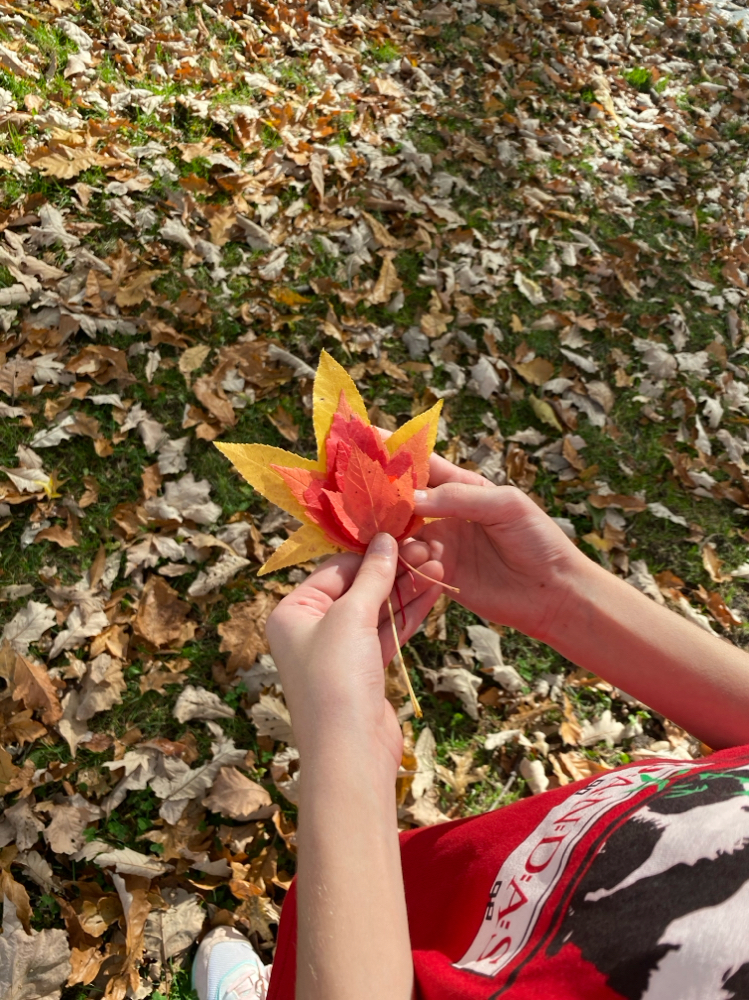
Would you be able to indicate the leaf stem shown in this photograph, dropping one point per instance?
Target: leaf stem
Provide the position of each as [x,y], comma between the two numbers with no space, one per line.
[441,583]
[411,693]
[400,601]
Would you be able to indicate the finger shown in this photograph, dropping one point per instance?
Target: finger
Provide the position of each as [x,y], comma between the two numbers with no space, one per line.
[416,612]
[414,552]
[327,583]
[411,586]
[492,506]
[441,471]
[374,581]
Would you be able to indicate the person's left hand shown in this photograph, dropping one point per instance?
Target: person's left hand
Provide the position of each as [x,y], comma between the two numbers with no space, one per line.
[331,639]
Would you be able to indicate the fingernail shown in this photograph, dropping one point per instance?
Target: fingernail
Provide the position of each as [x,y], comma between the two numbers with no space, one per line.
[420,496]
[382,545]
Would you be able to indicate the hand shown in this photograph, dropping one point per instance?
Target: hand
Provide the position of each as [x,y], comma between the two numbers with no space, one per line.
[509,559]
[332,637]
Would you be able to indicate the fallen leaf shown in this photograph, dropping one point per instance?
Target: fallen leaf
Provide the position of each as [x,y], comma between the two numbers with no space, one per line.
[271,718]
[197,703]
[286,773]
[712,563]
[170,932]
[179,784]
[607,729]
[192,359]
[28,625]
[536,372]
[70,817]
[487,648]
[460,682]
[545,412]
[126,861]
[17,896]
[32,966]
[535,774]
[284,424]
[570,730]
[30,682]
[243,635]
[529,288]
[387,284]
[162,618]
[236,796]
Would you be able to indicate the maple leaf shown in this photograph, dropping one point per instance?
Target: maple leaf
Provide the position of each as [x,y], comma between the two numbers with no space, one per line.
[358,486]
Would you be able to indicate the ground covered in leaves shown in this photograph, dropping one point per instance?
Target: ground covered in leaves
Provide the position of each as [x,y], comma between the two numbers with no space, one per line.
[535,211]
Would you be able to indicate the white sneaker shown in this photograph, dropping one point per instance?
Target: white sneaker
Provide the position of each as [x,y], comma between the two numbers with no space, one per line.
[227,967]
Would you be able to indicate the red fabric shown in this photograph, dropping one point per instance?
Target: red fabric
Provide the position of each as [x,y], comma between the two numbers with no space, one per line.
[450,871]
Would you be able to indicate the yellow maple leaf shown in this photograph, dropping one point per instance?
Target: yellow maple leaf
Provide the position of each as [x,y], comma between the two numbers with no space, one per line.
[340,507]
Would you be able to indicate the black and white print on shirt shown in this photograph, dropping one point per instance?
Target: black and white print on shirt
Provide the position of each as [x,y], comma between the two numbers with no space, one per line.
[662,907]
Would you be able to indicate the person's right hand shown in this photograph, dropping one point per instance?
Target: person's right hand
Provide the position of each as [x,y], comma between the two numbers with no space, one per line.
[509,559]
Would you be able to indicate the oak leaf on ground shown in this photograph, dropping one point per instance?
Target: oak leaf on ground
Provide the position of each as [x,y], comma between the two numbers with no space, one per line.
[162,617]
[32,966]
[236,796]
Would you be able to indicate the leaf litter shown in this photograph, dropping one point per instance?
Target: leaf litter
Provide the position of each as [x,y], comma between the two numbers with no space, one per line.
[195,202]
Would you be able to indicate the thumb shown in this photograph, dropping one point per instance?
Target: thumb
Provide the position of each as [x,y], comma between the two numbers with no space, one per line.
[488,504]
[376,575]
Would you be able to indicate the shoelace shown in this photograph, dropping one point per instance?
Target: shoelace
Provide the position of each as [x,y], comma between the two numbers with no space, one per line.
[248,981]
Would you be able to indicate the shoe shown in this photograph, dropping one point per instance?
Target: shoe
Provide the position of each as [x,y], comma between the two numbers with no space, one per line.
[227,967]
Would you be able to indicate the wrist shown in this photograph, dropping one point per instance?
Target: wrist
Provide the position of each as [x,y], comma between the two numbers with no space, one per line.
[344,756]
[570,588]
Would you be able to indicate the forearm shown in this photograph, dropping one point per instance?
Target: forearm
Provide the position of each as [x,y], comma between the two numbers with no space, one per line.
[699,681]
[353,941]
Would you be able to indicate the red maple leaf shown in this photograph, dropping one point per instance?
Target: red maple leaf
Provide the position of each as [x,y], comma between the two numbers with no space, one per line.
[364,489]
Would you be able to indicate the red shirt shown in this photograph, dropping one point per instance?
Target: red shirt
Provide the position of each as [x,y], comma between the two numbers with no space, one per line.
[634,884]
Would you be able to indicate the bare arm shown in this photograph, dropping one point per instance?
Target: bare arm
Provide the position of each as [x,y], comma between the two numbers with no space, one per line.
[698,680]
[353,928]
[515,566]
[330,639]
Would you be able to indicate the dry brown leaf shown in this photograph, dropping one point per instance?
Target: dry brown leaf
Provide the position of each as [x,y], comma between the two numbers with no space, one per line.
[536,372]
[16,893]
[70,817]
[170,932]
[284,424]
[387,284]
[21,728]
[64,537]
[28,625]
[460,682]
[137,289]
[102,688]
[236,796]
[86,957]
[8,772]
[157,674]
[192,359]
[29,682]
[212,396]
[271,718]
[380,233]
[713,564]
[32,966]
[243,636]
[436,623]
[197,703]
[570,729]
[162,617]
[578,766]
[133,893]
